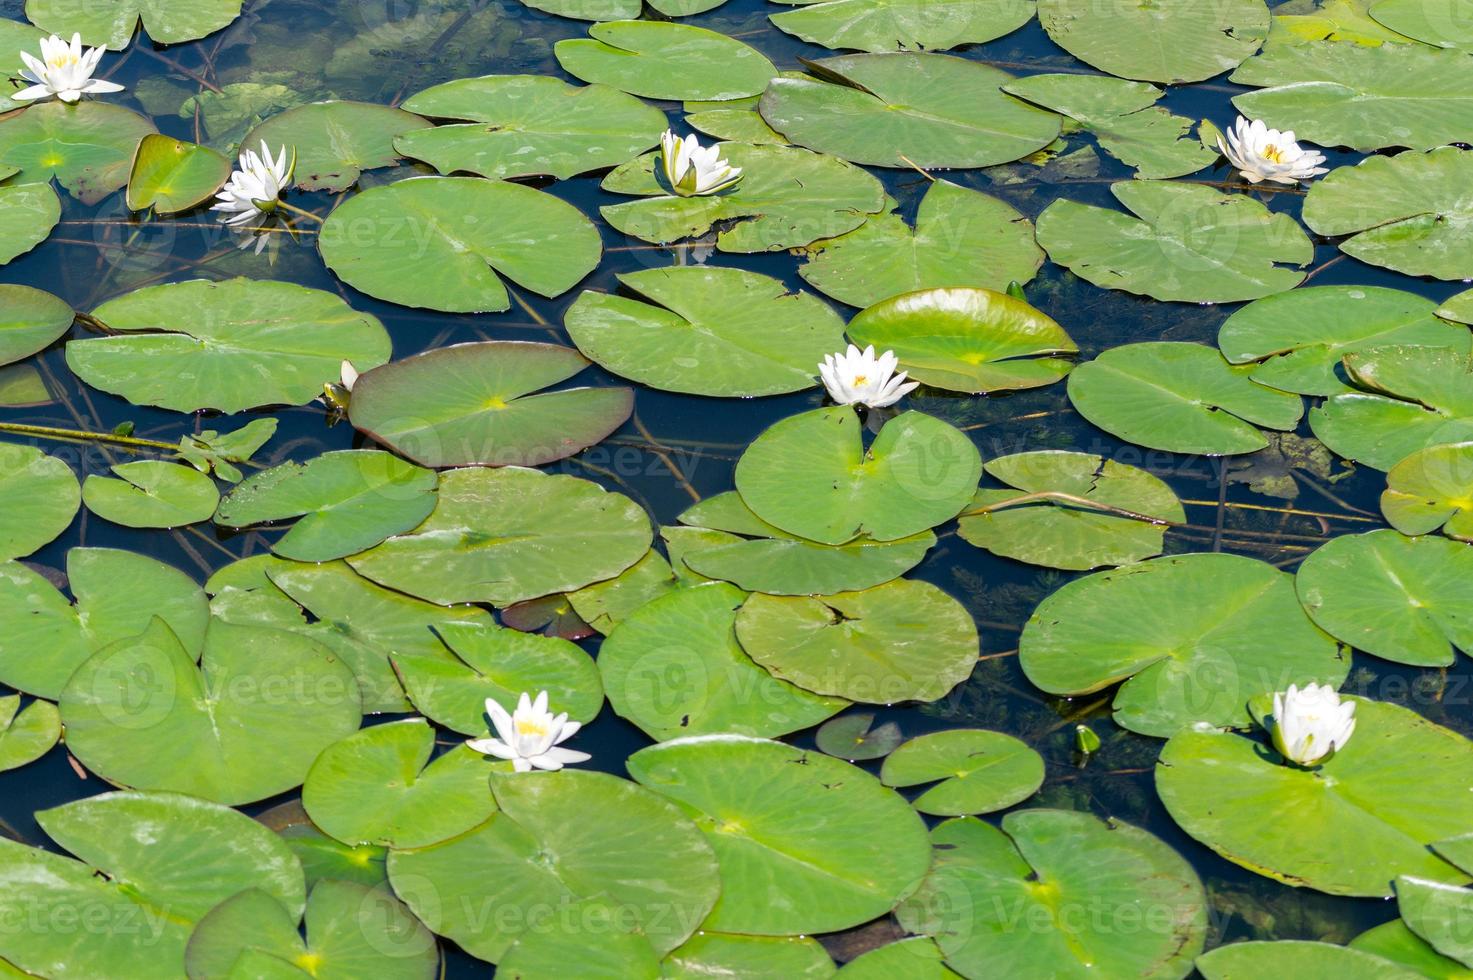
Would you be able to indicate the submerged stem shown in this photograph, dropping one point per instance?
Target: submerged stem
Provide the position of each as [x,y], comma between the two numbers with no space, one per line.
[54,432]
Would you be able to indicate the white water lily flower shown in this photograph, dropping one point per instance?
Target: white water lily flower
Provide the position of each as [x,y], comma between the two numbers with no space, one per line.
[1311,725]
[63,70]
[253,190]
[857,377]
[529,737]
[694,170]
[1260,154]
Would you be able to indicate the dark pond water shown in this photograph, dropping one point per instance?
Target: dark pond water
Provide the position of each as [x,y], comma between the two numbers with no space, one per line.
[373,50]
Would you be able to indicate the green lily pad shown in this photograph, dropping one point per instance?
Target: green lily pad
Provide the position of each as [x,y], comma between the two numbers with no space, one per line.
[334,142]
[961,238]
[1193,637]
[979,771]
[674,668]
[148,866]
[39,495]
[823,848]
[431,242]
[1430,490]
[916,958]
[536,955]
[1185,243]
[885,25]
[31,319]
[707,331]
[352,931]
[627,860]
[522,125]
[1436,911]
[1396,597]
[1124,117]
[348,501]
[1395,942]
[473,404]
[509,534]
[492,662]
[1183,398]
[1291,957]
[901,641]
[717,954]
[811,475]
[1058,532]
[1402,212]
[210,451]
[28,212]
[322,856]
[985,883]
[603,605]
[170,175]
[26,734]
[1163,41]
[1348,827]
[1413,397]
[21,386]
[1365,96]
[1296,339]
[16,36]
[1444,23]
[118,593]
[1333,20]
[934,110]
[151,493]
[967,339]
[787,198]
[87,147]
[379,786]
[244,724]
[111,23]
[855,737]
[771,560]
[228,345]
[660,60]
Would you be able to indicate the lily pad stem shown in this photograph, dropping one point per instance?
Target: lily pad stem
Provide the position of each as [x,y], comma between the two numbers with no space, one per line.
[53,432]
[1059,497]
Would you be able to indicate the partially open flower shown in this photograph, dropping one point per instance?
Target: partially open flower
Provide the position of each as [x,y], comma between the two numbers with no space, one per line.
[254,188]
[857,377]
[1260,154]
[693,170]
[1312,724]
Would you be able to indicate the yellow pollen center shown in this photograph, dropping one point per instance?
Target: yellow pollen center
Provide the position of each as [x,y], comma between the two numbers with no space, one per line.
[1273,154]
[861,379]
[528,727]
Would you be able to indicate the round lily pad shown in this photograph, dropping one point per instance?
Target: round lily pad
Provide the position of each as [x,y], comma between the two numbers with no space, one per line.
[855,737]
[1194,637]
[1248,960]
[787,197]
[1430,490]
[88,147]
[117,592]
[228,345]
[960,238]
[509,534]
[353,931]
[661,60]
[521,125]
[347,502]
[627,860]
[151,493]
[244,724]
[812,476]
[1162,41]
[825,846]
[985,883]
[1396,597]
[1296,339]
[674,668]
[31,320]
[1347,827]
[1395,942]
[444,243]
[1053,523]
[379,786]
[708,954]
[1183,242]
[1183,398]
[28,212]
[978,771]
[902,641]
[499,664]
[967,339]
[479,404]
[112,22]
[707,331]
[170,175]
[934,110]
[26,733]
[334,142]
[39,495]
[885,25]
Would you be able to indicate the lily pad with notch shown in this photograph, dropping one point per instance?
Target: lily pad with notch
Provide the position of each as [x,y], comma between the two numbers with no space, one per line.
[151,493]
[1163,41]
[26,733]
[88,147]
[662,60]
[112,23]
[909,25]
[39,496]
[856,738]
[32,319]
[1431,490]
[335,141]
[169,175]
[975,771]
